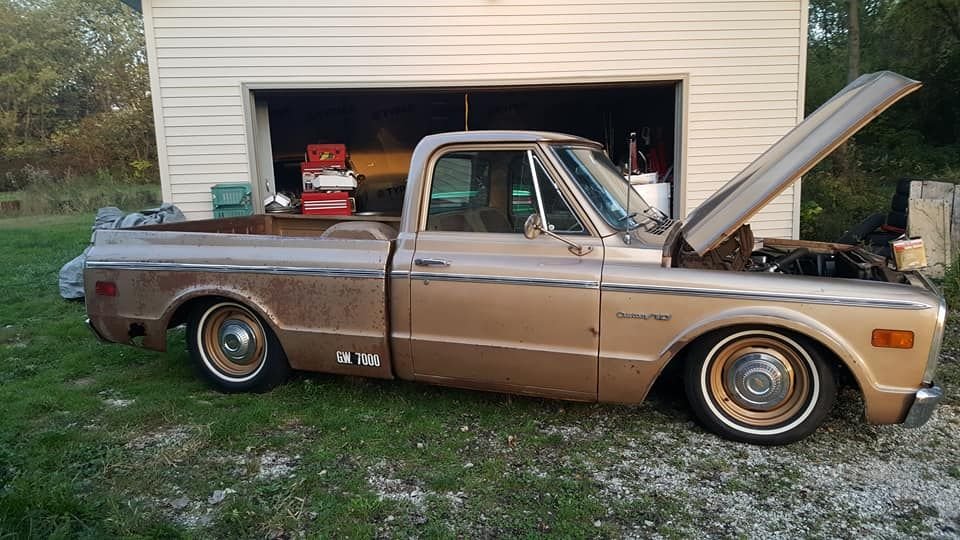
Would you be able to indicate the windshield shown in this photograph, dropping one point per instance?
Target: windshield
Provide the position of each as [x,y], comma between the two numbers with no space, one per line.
[604,186]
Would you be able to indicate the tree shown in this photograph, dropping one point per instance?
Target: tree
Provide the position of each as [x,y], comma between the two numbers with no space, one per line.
[73,81]
[853,40]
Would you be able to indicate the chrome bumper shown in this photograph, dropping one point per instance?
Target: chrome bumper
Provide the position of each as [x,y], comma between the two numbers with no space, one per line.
[96,332]
[924,403]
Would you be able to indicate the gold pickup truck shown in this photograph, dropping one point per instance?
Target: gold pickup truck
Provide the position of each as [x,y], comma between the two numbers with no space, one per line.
[522,262]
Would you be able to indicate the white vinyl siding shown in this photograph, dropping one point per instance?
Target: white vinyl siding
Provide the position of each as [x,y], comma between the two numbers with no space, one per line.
[741,59]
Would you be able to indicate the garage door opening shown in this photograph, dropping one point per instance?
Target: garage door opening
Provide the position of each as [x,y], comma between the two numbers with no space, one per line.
[380,129]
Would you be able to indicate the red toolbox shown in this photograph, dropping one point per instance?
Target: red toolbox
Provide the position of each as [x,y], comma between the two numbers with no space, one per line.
[334,203]
[323,156]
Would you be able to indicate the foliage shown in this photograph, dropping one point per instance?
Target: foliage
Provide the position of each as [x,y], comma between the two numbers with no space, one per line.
[73,87]
[951,285]
[919,137]
[838,196]
[44,193]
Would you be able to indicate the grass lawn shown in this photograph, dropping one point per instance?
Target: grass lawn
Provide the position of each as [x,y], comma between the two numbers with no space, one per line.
[107,440]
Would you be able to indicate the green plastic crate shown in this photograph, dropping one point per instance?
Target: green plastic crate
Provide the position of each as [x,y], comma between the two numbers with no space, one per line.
[231,194]
[233,210]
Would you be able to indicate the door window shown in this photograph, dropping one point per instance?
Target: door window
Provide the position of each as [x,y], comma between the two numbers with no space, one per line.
[492,191]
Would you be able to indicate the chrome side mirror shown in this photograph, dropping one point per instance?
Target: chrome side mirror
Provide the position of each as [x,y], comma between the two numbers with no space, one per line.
[533,226]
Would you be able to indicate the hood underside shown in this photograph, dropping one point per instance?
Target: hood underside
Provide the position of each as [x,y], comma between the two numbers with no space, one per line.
[789,158]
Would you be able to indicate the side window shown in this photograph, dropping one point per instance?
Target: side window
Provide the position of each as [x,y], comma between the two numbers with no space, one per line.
[492,191]
[524,199]
[459,183]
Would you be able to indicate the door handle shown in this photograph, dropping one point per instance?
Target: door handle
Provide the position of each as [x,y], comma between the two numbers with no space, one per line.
[431,262]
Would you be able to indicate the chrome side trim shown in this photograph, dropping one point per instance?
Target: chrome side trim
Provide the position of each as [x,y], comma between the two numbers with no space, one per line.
[923,406]
[759,295]
[400,274]
[506,280]
[237,268]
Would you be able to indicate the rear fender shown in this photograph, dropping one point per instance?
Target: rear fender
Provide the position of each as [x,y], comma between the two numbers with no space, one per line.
[194,293]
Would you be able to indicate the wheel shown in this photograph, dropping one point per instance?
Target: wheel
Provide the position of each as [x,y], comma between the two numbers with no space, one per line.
[234,349]
[759,386]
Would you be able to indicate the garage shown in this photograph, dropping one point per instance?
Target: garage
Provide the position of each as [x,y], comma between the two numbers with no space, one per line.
[381,127]
[241,87]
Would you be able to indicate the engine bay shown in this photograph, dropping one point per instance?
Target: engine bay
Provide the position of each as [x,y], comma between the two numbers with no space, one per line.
[741,252]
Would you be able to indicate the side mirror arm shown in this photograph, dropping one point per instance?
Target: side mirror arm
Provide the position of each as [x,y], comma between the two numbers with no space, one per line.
[537,223]
[533,228]
[574,247]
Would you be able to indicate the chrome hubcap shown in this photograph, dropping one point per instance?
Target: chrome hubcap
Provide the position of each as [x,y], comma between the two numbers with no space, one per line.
[237,341]
[759,381]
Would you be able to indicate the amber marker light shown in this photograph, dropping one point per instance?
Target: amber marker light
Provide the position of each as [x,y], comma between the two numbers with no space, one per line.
[892,339]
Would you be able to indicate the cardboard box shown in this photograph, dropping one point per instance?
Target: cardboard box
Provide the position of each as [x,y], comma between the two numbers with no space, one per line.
[909,253]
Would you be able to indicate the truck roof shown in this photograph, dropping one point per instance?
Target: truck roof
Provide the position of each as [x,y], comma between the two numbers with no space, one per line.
[432,142]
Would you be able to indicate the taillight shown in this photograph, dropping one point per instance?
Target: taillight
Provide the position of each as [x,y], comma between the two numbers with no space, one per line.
[893,339]
[106,288]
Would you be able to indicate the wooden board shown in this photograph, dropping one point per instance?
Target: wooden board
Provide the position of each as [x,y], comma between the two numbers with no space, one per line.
[930,219]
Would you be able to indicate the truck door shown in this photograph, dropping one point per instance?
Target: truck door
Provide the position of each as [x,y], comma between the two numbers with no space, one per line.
[492,309]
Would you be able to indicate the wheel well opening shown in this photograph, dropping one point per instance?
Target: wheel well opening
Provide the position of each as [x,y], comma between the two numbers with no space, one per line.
[844,375]
[182,313]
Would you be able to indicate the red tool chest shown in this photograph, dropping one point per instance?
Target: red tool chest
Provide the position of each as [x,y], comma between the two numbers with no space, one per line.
[325,156]
[334,203]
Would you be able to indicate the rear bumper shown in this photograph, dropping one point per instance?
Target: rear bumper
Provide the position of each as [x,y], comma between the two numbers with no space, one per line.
[924,403]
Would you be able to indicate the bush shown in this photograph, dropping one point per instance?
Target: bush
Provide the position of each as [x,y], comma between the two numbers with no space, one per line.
[69,194]
[838,195]
[951,285]
[22,178]
[121,141]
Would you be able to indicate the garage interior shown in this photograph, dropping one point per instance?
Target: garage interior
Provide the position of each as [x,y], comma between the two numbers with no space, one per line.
[380,128]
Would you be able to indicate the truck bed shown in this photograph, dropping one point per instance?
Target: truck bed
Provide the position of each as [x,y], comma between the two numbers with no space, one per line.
[322,295]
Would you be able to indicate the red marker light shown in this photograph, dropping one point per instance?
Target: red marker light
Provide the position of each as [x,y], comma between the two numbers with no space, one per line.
[106,288]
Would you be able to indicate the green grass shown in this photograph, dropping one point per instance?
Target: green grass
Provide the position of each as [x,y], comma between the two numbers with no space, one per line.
[107,440]
[73,465]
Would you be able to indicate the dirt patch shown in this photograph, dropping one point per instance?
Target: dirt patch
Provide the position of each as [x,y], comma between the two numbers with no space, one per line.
[828,485]
[83,382]
[273,465]
[118,403]
[170,437]
[384,482]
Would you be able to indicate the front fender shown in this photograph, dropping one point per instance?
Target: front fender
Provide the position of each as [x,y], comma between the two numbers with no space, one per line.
[777,317]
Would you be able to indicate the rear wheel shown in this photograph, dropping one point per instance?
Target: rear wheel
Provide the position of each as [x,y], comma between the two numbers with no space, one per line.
[759,386]
[234,349]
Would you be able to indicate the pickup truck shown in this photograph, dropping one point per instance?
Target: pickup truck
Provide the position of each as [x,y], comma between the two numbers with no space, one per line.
[523,262]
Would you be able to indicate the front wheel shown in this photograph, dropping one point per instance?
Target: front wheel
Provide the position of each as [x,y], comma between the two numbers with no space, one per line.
[234,349]
[759,386]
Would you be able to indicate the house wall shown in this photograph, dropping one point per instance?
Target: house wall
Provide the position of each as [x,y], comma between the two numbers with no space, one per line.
[743,62]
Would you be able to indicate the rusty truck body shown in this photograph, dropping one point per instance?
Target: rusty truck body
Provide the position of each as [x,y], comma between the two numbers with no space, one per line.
[522,262]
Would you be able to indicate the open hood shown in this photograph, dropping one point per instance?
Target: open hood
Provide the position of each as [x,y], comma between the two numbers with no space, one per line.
[792,156]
